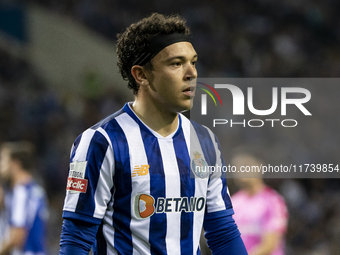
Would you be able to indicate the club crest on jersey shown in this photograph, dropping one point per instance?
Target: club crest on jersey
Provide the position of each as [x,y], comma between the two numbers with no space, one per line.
[199,166]
[76,182]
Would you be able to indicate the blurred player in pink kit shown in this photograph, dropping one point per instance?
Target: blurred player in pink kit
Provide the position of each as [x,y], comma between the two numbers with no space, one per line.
[260,212]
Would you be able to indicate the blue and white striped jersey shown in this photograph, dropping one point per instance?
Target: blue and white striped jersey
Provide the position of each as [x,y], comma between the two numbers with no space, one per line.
[27,207]
[140,186]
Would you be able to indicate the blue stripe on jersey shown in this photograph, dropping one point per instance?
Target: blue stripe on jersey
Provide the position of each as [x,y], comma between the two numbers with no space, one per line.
[36,237]
[187,190]
[95,156]
[123,188]
[224,193]
[206,143]
[100,243]
[75,146]
[158,222]
[33,216]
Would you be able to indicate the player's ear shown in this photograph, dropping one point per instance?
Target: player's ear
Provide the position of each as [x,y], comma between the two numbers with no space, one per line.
[139,73]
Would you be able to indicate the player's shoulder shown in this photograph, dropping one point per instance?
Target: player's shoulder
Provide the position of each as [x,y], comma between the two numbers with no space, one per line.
[99,130]
[198,128]
[107,120]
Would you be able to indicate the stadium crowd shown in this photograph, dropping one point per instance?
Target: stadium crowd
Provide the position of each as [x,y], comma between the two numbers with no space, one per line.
[244,38]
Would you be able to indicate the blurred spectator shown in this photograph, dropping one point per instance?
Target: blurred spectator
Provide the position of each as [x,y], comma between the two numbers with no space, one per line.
[260,212]
[3,216]
[25,201]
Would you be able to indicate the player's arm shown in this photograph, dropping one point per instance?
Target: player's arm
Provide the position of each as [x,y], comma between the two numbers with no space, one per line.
[17,238]
[92,157]
[269,242]
[77,237]
[221,231]
[222,234]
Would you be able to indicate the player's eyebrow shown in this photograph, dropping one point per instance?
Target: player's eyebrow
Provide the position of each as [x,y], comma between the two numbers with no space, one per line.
[180,57]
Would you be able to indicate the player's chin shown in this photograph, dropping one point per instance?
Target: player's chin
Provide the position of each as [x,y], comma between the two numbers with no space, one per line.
[186,105]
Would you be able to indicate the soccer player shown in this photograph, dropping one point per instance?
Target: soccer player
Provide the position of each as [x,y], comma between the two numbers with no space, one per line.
[3,216]
[130,188]
[25,201]
[260,212]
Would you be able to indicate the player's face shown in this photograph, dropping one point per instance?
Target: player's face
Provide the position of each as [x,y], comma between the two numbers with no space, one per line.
[5,162]
[173,78]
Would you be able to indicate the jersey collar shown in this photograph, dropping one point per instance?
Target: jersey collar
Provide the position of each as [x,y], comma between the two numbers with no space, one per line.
[131,113]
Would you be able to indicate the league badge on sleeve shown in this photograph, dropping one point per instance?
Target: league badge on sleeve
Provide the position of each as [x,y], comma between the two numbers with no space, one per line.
[76,182]
[198,166]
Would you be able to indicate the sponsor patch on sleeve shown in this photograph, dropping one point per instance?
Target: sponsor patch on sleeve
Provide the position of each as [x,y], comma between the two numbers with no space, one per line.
[76,181]
[76,185]
[77,169]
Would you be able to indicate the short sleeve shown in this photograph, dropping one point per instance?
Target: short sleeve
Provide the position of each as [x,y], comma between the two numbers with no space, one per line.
[218,197]
[90,178]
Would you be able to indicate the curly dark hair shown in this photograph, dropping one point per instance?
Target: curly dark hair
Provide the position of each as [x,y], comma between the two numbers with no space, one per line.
[135,39]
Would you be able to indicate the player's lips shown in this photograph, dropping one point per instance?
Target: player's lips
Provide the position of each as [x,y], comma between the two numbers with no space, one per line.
[190,91]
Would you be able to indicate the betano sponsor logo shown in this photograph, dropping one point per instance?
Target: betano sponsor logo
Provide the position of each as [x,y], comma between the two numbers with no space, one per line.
[145,205]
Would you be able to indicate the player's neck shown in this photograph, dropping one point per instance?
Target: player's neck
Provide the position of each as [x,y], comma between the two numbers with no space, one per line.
[161,121]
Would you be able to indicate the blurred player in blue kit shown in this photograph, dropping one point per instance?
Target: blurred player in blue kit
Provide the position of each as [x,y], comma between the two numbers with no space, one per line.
[3,216]
[130,188]
[25,202]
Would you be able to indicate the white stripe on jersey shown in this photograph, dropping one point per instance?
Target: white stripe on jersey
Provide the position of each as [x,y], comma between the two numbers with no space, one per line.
[200,184]
[218,154]
[103,194]
[109,232]
[83,146]
[140,185]
[19,205]
[173,189]
[71,199]
[215,203]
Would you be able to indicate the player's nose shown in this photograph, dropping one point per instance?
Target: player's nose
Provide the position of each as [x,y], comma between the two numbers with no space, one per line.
[191,72]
